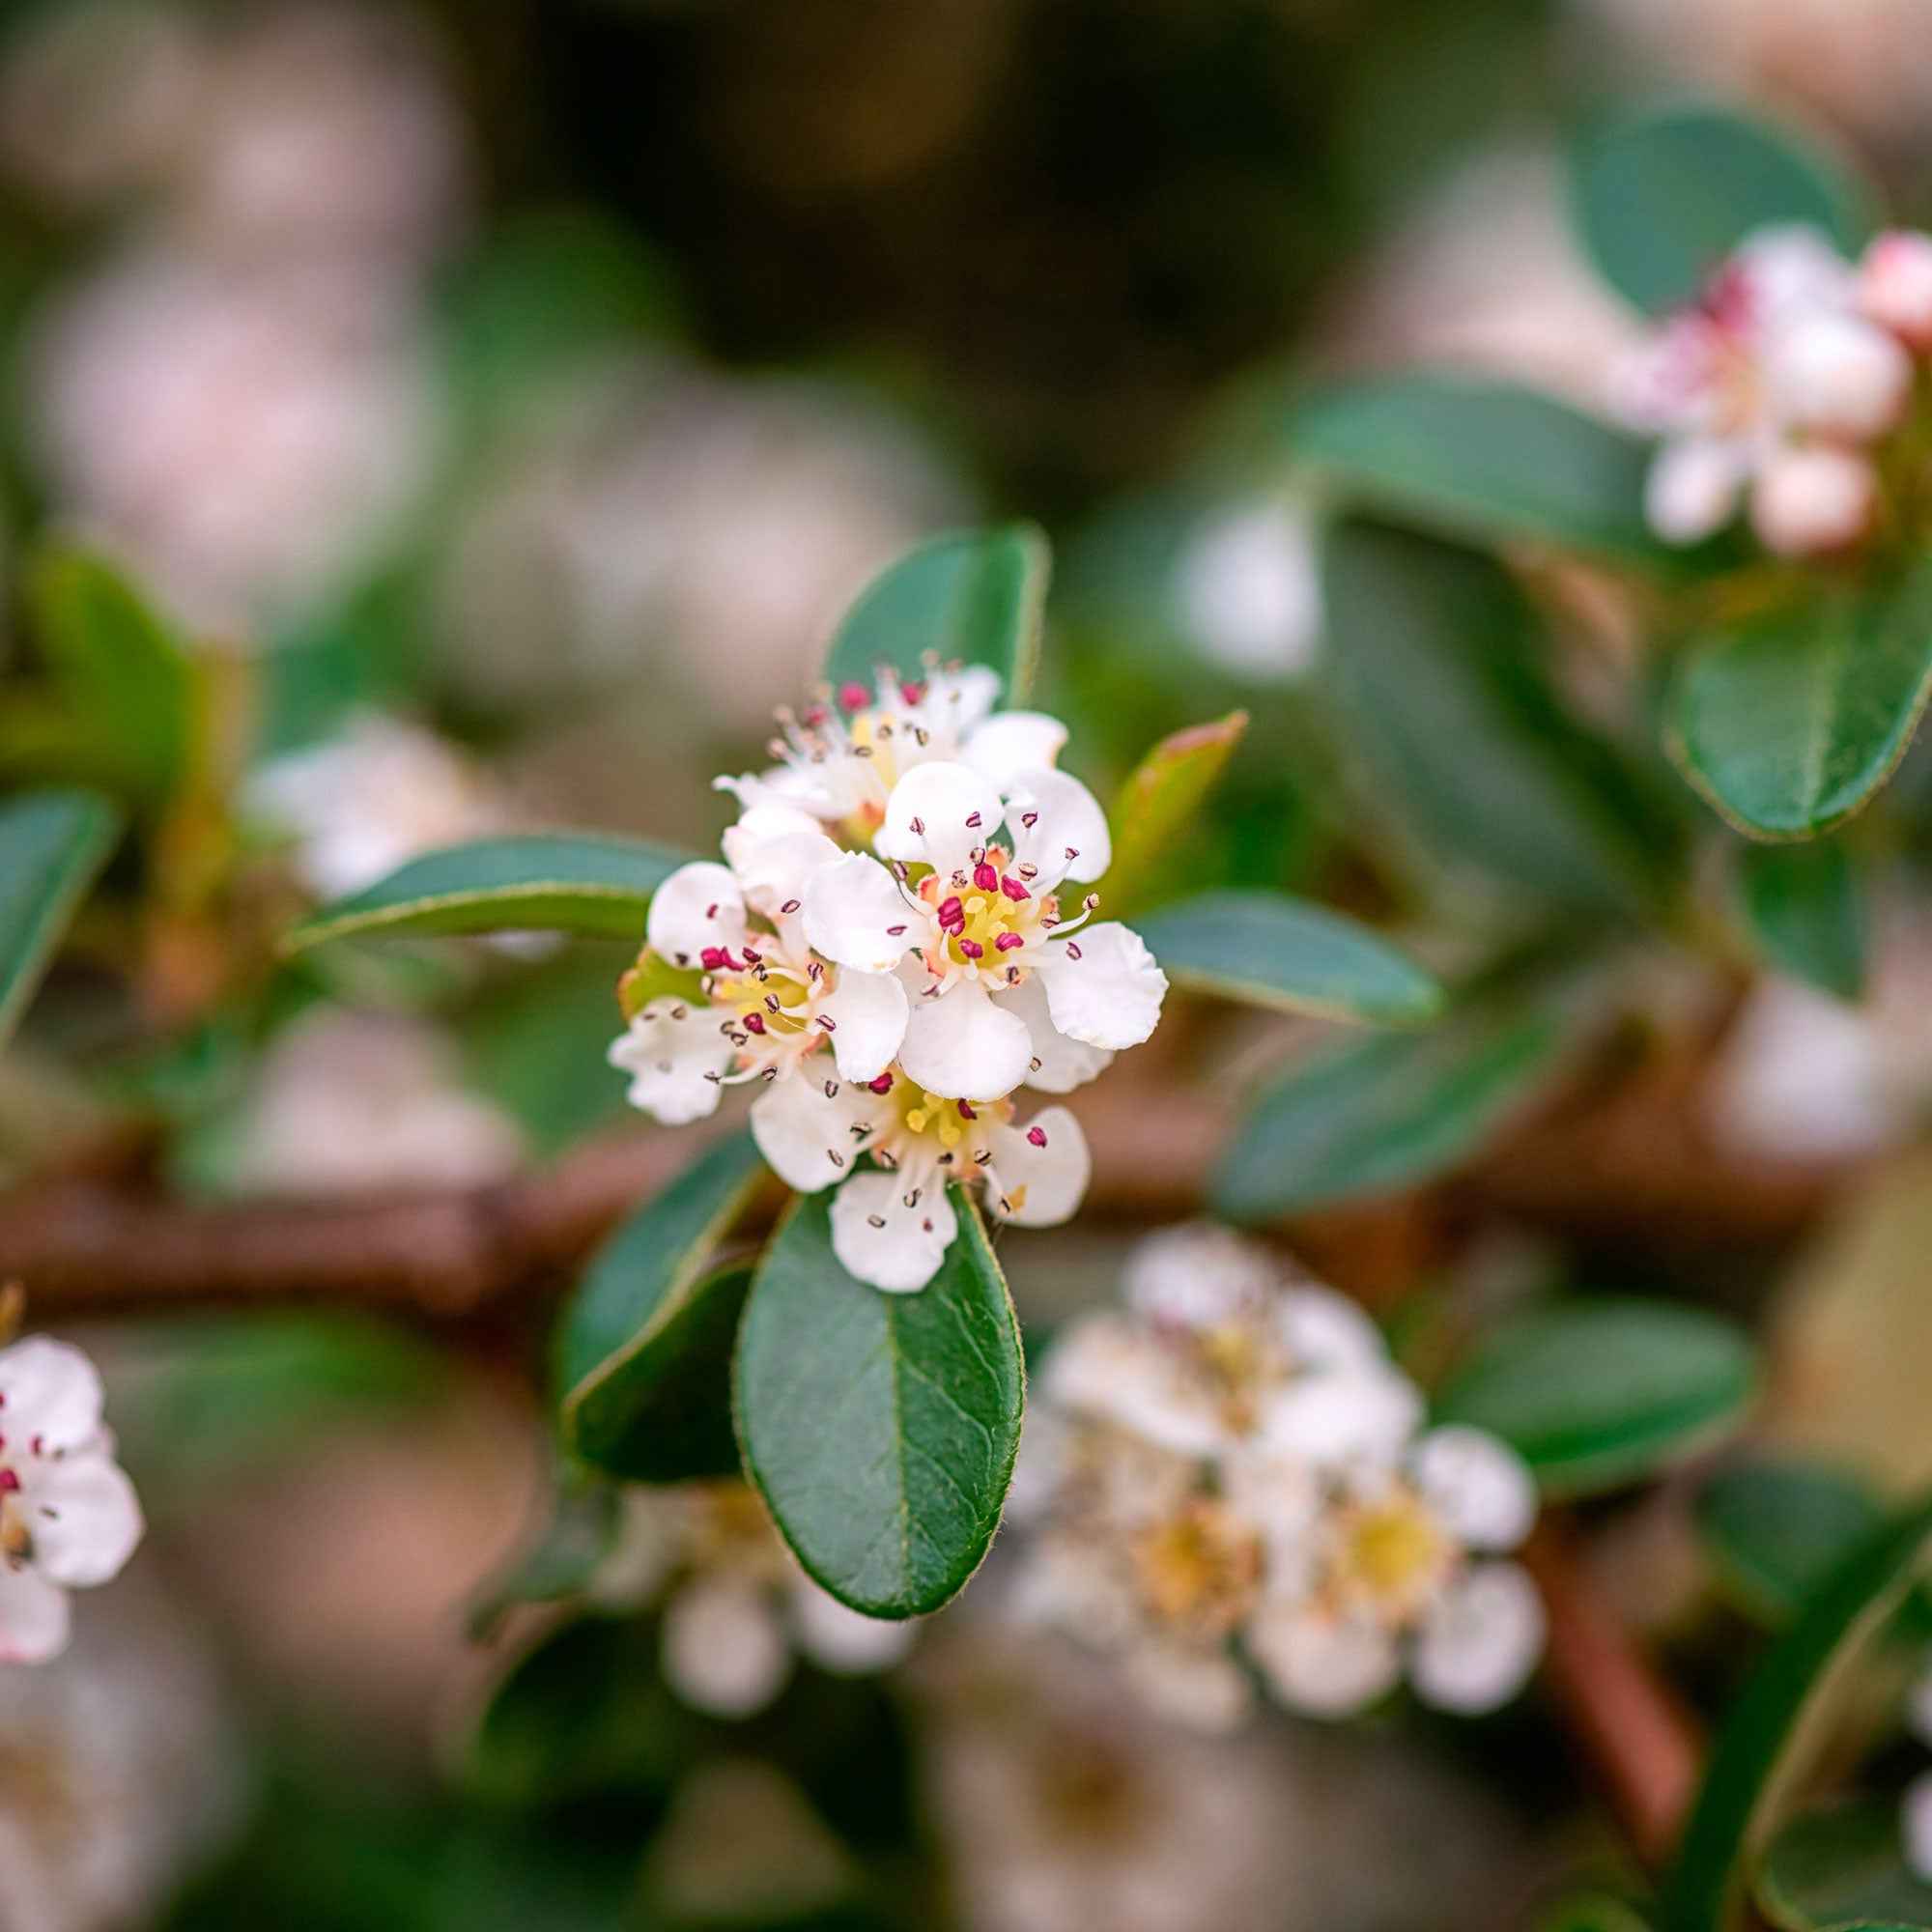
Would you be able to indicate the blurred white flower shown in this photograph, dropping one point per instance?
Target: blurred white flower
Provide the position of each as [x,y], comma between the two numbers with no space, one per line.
[1810,500]
[1248,591]
[68,1517]
[1895,286]
[365,1103]
[379,793]
[243,437]
[738,1610]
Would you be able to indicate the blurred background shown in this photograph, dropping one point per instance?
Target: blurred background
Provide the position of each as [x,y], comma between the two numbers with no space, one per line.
[507,400]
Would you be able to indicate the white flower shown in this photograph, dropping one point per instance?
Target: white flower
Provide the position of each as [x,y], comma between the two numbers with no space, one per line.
[1896,285]
[1813,498]
[1837,373]
[68,1517]
[1249,590]
[892,1011]
[1397,1566]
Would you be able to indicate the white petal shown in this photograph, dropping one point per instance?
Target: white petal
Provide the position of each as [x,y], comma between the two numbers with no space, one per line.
[724,1649]
[1839,375]
[1204,1689]
[1693,485]
[958,700]
[869,1015]
[1480,1641]
[1326,1330]
[938,813]
[1011,742]
[1480,1487]
[699,905]
[1811,499]
[33,1616]
[773,872]
[670,1051]
[856,915]
[1045,1179]
[882,1242]
[806,1133]
[1198,1276]
[1915,1819]
[1321,1666]
[841,1641]
[767,819]
[83,1515]
[1103,986]
[49,1389]
[1065,1064]
[1283,1497]
[1339,1417]
[1106,1366]
[1068,837]
[962,1045]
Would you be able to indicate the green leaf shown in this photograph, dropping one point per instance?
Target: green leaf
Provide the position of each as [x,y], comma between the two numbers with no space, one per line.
[556,880]
[1790,724]
[1156,806]
[644,1349]
[1433,665]
[1484,460]
[577,1532]
[1602,1392]
[119,671]
[52,845]
[1390,1112]
[881,1427]
[1661,197]
[1840,1866]
[1777,1722]
[1775,1530]
[1802,905]
[979,596]
[1594,1912]
[1268,949]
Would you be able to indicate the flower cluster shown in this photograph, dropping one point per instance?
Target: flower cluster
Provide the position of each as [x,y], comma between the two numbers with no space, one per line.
[68,1517]
[1780,383]
[1234,1465]
[892,946]
[736,1609]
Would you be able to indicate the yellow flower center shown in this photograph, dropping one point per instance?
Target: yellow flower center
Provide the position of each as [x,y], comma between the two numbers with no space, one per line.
[1199,1568]
[1394,1555]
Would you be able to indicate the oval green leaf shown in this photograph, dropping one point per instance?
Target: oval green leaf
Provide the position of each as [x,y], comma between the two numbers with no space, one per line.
[1840,1866]
[1599,1393]
[979,596]
[1268,949]
[1153,809]
[644,1348]
[1775,1531]
[1435,667]
[554,881]
[1661,197]
[1484,460]
[52,846]
[1762,1749]
[1803,908]
[1792,724]
[881,1427]
[1391,1113]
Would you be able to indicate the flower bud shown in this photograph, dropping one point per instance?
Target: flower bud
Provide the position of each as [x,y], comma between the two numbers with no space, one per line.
[1839,375]
[1896,285]
[1811,499]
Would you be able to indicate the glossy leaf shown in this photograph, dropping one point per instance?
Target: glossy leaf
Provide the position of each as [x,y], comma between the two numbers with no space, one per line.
[1842,1865]
[881,1427]
[977,596]
[1387,1114]
[1775,1530]
[1158,803]
[121,673]
[1268,949]
[644,1349]
[1661,197]
[1485,461]
[52,844]
[556,880]
[1434,667]
[1598,1393]
[1791,725]
[1804,911]
[1763,1745]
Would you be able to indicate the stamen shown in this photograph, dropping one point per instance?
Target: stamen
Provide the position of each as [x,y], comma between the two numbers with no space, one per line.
[755,1022]
[972,949]
[853,697]
[1014,890]
[827,1022]
[973,822]
[1036,1136]
[919,828]
[836,1158]
[1006,941]
[791,905]
[1073,949]
[985,879]
[875,1220]
[831,1090]
[966,1112]
[881,1085]
[1028,819]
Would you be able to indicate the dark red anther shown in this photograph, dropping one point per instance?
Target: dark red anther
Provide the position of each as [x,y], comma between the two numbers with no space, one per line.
[816,715]
[1014,890]
[853,697]
[881,1085]
[986,877]
[1006,941]
[1036,1136]
[9,1481]
[953,911]
[714,959]
[755,1022]
[913,693]
[972,949]
[966,1112]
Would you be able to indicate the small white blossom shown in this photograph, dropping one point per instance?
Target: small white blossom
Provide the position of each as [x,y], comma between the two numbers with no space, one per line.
[885,948]
[68,1517]
[1813,498]
[1895,286]
[1248,590]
